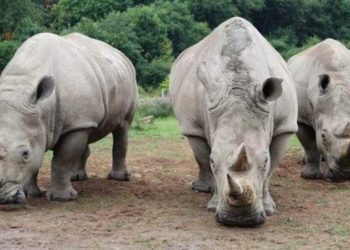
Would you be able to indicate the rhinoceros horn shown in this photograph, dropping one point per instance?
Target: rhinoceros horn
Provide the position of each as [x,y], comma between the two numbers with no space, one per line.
[240,159]
[236,189]
[240,192]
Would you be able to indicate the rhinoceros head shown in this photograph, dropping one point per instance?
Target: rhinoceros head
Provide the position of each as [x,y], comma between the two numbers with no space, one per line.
[240,126]
[333,124]
[22,137]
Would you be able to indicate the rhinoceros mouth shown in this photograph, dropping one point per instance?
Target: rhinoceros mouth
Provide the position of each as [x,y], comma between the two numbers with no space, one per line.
[11,192]
[336,173]
[247,219]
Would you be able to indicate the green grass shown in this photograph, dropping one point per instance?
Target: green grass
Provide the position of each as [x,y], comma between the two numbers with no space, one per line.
[162,128]
[166,128]
[169,128]
[294,143]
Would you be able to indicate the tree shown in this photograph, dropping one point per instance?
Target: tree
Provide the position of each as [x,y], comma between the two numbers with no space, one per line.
[212,12]
[15,14]
[67,13]
[141,35]
[182,29]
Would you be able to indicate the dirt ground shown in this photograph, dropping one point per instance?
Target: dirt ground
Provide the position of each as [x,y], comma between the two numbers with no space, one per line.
[156,209]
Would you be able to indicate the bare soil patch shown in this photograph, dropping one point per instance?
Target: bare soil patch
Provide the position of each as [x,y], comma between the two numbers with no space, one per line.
[157,209]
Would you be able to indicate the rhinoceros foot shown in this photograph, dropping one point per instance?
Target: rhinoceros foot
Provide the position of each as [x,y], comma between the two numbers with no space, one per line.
[269,205]
[61,195]
[202,186]
[79,175]
[119,175]
[311,173]
[213,203]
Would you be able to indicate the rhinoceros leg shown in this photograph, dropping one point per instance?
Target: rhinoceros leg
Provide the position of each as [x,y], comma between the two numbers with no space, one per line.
[79,170]
[120,146]
[307,138]
[278,148]
[31,188]
[201,150]
[67,153]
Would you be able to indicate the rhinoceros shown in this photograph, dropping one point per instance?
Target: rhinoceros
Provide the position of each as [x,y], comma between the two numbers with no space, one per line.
[62,93]
[236,103]
[322,77]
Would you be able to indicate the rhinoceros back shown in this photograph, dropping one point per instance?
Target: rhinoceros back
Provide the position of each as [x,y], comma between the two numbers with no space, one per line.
[327,57]
[95,85]
[188,96]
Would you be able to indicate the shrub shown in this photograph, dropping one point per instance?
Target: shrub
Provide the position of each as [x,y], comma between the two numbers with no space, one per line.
[158,107]
[7,50]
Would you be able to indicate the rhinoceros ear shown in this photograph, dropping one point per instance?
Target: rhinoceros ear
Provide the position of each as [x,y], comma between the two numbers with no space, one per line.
[204,77]
[324,82]
[271,89]
[44,89]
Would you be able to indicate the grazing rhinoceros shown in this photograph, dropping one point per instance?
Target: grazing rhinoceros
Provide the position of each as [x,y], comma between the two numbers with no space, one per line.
[236,103]
[322,77]
[62,93]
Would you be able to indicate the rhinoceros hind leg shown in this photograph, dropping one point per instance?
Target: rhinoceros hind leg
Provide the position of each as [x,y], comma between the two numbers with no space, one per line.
[67,154]
[79,171]
[307,138]
[201,150]
[32,189]
[120,146]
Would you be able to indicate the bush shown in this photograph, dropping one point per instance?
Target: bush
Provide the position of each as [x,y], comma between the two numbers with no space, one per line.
[308,43]
[7,50]
[67,13]
[27,28]
[157,107]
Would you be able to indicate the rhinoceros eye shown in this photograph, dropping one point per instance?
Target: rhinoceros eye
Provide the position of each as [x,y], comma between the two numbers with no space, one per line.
[212,165]
[25,154]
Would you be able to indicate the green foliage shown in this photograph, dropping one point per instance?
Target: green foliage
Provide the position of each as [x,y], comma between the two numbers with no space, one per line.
[167,127]
[213,12]
[7,50]
[141,35]
[182,29]
[27,28]
[157,107]
[154,32]
[15,14]
[218,11]
[311,41]
[67,13]
[165,84]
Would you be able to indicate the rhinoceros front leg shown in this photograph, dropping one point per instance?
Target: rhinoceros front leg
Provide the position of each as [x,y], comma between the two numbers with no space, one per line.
[67,154]
[307,138]
[79,170]
[31,188]
[201,150]
[120,146]
[278,148]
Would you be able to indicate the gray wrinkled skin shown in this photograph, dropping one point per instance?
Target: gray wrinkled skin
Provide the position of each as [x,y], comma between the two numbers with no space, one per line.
[322,78]
[60,94]
[236,103]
